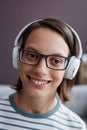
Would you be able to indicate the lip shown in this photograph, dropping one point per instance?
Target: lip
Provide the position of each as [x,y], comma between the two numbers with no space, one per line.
[38,83]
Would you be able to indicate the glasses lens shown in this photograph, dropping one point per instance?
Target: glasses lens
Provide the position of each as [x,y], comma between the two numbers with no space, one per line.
[29,57]
[57,62]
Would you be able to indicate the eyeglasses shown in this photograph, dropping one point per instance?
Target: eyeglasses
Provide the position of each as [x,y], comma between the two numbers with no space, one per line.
[33,58]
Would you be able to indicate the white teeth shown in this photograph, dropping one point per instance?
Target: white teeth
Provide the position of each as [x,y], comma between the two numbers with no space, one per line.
[38,82]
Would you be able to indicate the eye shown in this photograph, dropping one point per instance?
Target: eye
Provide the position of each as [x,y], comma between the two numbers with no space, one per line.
[30,54]
[56,61]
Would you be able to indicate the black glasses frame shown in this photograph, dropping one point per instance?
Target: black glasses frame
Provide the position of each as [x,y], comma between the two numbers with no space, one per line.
[41,56]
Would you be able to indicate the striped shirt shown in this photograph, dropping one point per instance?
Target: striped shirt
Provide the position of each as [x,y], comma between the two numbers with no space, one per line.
[59,118]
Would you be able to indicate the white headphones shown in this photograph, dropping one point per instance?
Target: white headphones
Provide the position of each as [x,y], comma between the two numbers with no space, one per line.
[74,62]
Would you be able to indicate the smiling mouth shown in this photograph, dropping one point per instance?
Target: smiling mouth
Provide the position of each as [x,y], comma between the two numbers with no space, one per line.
[38,82]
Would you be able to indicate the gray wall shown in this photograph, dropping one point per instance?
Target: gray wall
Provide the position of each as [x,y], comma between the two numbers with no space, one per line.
[14,14]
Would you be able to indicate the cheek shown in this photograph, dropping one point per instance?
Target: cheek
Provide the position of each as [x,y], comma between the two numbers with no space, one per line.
[22,70]
[58,76]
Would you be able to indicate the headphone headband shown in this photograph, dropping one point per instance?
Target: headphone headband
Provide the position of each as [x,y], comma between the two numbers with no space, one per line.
[73,31]
[21,32]
[78,40]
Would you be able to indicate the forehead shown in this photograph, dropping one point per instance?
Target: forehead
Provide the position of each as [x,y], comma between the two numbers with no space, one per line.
[47,41]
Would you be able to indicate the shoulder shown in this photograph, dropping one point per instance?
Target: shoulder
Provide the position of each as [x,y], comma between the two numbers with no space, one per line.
[72,117]
[4,101]
[4,106]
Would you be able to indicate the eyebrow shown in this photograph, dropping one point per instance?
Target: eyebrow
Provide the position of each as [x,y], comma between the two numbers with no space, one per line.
[54,54]
[30,48]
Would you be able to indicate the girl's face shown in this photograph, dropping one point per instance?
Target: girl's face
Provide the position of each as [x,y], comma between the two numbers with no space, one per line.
[39,81]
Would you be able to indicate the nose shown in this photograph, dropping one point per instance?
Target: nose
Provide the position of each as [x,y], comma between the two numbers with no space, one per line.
[41,68]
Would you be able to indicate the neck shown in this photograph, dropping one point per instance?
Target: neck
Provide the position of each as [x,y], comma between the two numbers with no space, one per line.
[37,106]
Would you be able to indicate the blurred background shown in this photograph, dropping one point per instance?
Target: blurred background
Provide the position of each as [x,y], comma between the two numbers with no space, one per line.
[15,14]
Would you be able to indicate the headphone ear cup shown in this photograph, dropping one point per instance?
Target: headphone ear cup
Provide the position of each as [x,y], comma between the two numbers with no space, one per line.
[72,68]
[15,59]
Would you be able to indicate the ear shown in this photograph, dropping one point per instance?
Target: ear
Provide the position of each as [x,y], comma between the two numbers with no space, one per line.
[72,68]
